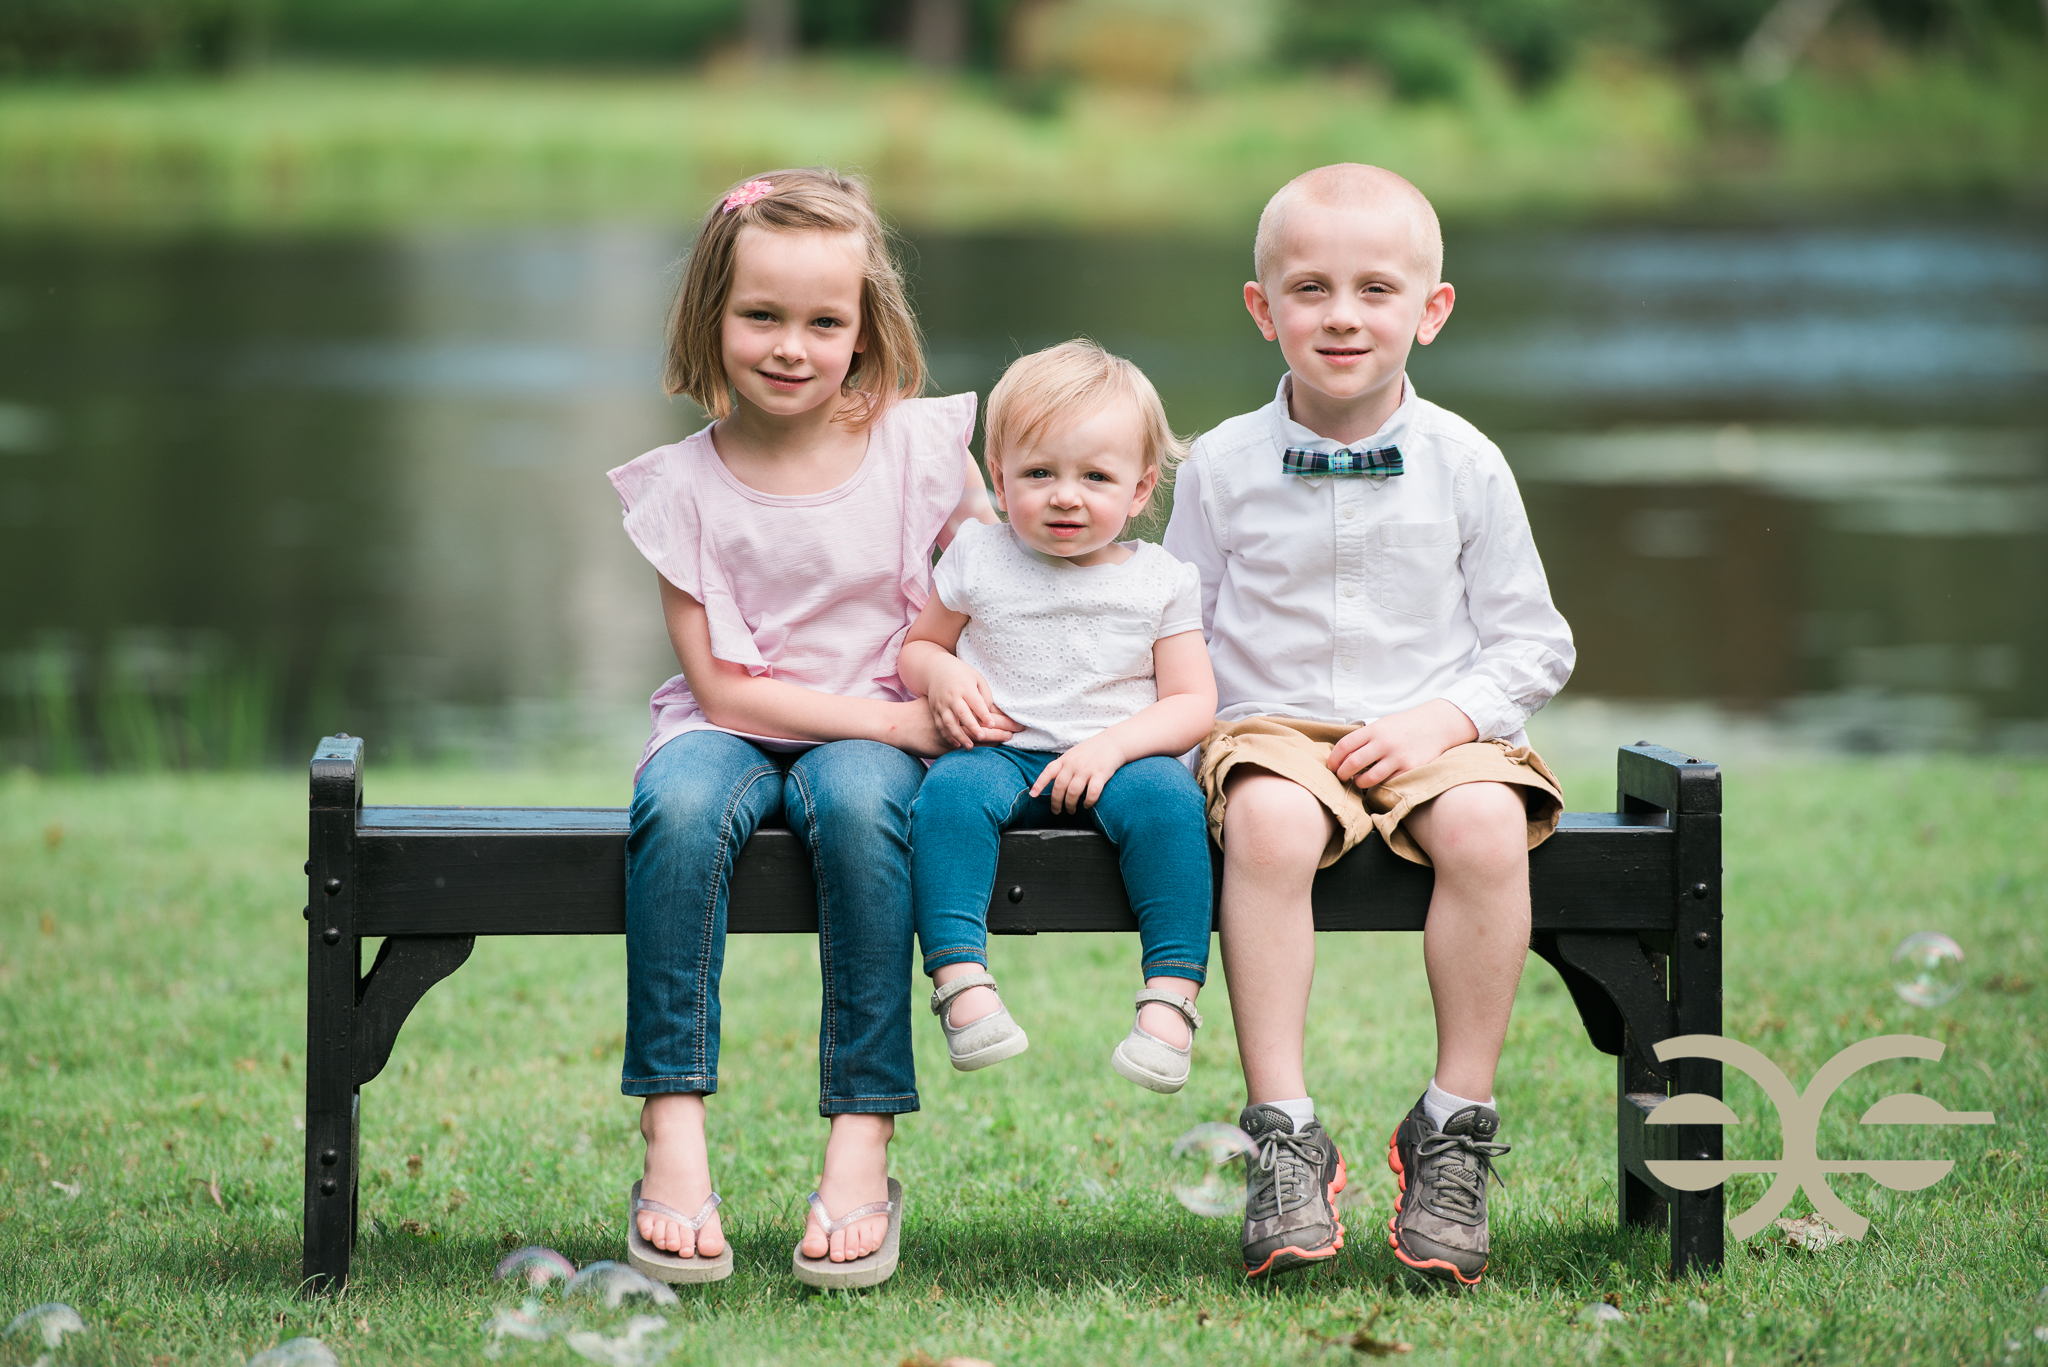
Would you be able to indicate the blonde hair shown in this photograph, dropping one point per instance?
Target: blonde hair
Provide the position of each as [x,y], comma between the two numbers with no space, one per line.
[890,365]
[1350,185]
[1070,381]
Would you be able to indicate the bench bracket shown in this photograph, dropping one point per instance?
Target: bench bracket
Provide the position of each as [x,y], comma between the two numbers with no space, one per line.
[1618,986]
[406,967]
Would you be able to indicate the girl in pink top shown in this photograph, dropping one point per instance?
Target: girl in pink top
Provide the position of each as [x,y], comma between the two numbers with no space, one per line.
[794,539]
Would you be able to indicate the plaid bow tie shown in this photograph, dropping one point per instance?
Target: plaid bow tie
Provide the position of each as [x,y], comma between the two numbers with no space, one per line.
[1379,462]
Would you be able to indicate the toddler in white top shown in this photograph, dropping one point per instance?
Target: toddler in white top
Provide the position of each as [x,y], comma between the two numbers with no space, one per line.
[1088,651]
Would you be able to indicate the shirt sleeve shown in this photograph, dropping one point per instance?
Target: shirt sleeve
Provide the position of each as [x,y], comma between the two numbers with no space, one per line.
[952,576]
[1525,645]
[1191,532]
[662,521]
[1184,611]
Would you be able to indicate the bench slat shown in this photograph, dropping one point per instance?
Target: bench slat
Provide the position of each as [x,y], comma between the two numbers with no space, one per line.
[560,871]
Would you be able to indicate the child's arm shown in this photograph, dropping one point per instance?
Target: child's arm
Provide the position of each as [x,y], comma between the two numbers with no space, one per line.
[972,507]
[1174,725]
[760,706]
[962,708]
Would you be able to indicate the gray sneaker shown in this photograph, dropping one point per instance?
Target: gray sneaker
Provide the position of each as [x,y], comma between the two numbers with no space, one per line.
[1290,1211]
[1439,1224]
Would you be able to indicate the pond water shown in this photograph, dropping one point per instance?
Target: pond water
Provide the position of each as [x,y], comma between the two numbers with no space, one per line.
[257,489]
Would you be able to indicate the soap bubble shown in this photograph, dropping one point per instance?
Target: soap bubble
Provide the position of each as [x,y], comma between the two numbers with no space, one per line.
[52,1319]
[615,1282]
[630,1348]
[1209,1168]
[297,1353]
[1927,969]
[538,1265]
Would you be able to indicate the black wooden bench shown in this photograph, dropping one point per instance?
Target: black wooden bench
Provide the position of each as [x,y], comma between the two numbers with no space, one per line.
[1627,909]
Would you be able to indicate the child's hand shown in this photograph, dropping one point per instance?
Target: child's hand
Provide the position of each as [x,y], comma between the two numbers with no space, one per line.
[1078,775]
[1393,745]
[962,708]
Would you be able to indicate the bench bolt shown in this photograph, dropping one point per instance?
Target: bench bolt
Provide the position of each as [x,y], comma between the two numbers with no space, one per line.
[1702,939]
[329,1157]
[328,1188]
[333,886]
[309,911]
[309,866]
[1699,891]
[1017,893]
[331,935]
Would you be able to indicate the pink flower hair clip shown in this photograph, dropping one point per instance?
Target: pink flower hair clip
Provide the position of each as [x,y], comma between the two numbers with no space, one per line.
[753,192]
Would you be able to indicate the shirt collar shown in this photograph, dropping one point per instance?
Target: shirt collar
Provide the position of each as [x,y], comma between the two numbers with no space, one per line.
[1287,432]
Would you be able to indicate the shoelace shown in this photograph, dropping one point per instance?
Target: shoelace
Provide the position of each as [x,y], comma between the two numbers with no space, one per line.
[1458,1166]
[1286,1182]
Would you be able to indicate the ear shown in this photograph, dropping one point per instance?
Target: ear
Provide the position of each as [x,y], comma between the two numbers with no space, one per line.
[1436,311]
[1148,483]
[1261,309]
[995,479]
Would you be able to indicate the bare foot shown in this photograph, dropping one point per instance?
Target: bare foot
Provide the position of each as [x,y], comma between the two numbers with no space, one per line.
[972,1004]
[677,1174]
[856,1174]
[1163,1022]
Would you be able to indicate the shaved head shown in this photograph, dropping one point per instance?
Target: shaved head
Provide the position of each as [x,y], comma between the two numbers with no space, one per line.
[1350,185]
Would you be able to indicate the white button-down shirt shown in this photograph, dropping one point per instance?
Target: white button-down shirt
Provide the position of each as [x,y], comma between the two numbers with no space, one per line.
[1346,597]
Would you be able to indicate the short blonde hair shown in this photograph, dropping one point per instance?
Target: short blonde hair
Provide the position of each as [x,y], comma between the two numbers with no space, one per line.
[1350,184]
[811,199]
[1070,381]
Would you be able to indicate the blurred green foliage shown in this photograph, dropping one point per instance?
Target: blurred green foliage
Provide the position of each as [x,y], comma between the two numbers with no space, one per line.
[95,36]
[1424,49]
[543,31]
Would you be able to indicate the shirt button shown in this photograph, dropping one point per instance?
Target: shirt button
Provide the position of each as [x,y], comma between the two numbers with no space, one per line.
[1351,590]
[1344,663]
[1350,512]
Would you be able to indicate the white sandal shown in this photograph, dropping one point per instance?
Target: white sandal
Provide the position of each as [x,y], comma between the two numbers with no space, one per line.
[978,1043]
[1152,1063]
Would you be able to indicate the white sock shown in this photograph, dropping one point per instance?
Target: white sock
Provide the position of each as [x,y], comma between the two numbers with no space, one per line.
[1439,1105]
[1301,1110]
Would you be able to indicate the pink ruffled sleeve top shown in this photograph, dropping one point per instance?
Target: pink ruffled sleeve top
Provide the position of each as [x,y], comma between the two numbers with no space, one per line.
[817,590]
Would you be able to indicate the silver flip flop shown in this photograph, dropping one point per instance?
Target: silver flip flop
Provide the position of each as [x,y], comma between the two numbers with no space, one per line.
[661,1264]
[872,1270]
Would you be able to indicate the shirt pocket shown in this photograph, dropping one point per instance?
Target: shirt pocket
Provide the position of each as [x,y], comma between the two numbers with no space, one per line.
[1123,645]
[1417,567]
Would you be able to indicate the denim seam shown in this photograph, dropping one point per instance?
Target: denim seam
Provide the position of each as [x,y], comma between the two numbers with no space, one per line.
[721,879]
[828,1034]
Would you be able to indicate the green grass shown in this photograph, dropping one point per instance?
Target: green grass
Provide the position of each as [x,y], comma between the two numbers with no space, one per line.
[338,147]
[151,1043]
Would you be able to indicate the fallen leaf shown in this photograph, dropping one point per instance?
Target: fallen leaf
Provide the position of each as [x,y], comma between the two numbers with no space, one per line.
[414,1164]
[70,1189]
[1809,1232]
[1362,1341]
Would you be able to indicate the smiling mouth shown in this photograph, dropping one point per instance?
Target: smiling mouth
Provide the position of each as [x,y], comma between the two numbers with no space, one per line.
[1341,353]
[790,381]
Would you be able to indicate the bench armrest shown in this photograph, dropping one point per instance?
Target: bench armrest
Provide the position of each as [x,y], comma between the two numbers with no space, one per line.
[1653,778]
[337,775]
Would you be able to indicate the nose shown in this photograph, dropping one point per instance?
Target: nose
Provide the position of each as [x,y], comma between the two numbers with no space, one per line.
[789,345]
[1066,493]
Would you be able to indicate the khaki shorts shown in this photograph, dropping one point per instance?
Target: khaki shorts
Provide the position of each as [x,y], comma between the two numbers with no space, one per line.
[1297,750]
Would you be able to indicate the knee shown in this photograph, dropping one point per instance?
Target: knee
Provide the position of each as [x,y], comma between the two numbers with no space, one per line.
[869,788]
[1269,819]
[678,803]
[1478,829]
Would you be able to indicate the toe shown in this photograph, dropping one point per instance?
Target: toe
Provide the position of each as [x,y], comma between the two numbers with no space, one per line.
[839,1252]
[710,1239]
[815,1244]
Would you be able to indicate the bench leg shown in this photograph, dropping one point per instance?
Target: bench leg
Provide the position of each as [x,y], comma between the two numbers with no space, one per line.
[333,961]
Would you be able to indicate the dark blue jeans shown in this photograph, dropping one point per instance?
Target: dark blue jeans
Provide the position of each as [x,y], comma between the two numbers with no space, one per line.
[694,806]
[1150,809]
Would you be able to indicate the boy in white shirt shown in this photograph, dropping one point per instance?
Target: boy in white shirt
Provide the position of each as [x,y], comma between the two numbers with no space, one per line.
[1381,629]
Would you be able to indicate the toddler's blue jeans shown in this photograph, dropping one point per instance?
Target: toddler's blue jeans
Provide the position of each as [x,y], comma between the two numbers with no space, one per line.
[694,806]
[1150,809]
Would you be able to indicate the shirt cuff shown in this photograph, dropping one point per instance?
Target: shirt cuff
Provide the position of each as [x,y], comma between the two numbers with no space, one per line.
[1491,712]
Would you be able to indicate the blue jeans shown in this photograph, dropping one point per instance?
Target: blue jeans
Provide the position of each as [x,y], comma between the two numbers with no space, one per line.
[694,806]
[1150,809]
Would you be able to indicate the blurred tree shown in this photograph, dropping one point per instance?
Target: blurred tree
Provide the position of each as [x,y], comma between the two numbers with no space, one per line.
[113,36]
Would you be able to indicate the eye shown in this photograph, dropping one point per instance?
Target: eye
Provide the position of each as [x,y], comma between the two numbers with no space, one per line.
[1097,476]
[758,316]
[827,323]
[1038,472]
